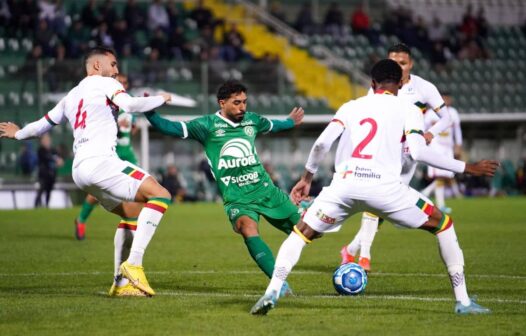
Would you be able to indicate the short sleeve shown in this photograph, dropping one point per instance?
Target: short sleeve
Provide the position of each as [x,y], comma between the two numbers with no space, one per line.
[414,122]
[342,115]
[433,98]
[56,115]
[196,129]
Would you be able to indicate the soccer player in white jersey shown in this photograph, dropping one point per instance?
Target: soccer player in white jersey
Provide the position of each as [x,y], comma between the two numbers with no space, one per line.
[123,188]
[369,180]
[425,96]
[449,143]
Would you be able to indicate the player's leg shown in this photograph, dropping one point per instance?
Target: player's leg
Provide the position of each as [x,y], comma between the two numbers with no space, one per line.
[440,195]
[362,242]
[420,213]
[85,211]
[325,214]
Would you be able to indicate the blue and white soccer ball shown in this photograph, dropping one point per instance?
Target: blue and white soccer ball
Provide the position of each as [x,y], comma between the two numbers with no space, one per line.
[350,279]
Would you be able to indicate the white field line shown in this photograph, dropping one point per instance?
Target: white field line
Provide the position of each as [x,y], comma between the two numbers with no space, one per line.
[335,297]
[372,275]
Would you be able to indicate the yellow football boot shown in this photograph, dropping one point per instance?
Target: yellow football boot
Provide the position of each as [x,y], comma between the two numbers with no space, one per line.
[126,290]
[137,277]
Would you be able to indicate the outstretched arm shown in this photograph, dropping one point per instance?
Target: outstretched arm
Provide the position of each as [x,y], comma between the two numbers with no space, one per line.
[320,148]
[139,104]
[295,118]
[166,126]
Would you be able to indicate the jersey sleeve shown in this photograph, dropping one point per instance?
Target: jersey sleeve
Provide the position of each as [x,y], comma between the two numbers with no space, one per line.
[44,124]
[263,125]
[196,129]
[111,87]
[342,115]
[414,121]
[433,98]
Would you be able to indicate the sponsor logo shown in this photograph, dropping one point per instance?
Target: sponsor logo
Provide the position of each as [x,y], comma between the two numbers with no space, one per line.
[249,130]
[220,132]
[366,173]
[241,153]
[241,180]
[324,218]
[151,223]
[233,212]
[247,123]
[220,125]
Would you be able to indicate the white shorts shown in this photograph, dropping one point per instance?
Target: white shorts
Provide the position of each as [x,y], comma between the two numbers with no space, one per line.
[401,205]
[110,179]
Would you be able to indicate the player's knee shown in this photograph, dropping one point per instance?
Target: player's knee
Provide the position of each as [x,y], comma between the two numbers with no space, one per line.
[164,193]
[246,228]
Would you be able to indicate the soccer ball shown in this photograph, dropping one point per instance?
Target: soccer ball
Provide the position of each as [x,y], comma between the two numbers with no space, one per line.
[349,279]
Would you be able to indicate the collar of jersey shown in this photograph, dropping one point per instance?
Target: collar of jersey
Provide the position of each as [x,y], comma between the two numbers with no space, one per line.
[383,92]
[230,122]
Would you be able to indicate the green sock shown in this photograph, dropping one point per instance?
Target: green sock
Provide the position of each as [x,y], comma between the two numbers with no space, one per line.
[85,211]
[261,253]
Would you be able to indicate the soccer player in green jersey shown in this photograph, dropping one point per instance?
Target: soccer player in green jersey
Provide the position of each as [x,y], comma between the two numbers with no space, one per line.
[228,137]
[124,149]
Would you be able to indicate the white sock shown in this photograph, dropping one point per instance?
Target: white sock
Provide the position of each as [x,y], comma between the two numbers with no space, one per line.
[147,223]
[439,194]
[429,189]
[454,260]
[354,246]
[122,242]
[368,231]
[288,255]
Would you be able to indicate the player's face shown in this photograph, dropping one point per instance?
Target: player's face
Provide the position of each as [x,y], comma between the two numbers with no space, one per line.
[108,66]
[234,108]
[404,61]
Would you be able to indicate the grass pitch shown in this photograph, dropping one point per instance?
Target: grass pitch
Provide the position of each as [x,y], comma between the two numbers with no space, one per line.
[206,282]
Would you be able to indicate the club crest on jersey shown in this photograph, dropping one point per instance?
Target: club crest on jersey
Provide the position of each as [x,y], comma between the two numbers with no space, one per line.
[324,218]
[240,153]
[249,130]
[233,212]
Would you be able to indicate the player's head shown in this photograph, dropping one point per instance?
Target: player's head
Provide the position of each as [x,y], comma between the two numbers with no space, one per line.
[232,98]
[401,54]
[101,61]
[123,79]
[386,74]
[448,100]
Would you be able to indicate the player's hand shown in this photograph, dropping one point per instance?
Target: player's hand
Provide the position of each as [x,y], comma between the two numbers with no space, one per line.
[482,168]
[167,97]
[428,136]
[8,130]
[300,191]
[297,114]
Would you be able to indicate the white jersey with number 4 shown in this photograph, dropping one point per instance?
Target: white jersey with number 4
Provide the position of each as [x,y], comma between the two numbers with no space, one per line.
[89,110]
[374,126]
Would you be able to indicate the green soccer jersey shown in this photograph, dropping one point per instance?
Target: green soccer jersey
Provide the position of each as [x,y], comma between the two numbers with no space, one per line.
[230,149]
[124,147]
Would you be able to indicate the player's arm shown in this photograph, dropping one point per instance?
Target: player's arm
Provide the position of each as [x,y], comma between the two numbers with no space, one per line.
[295,118]
[457,133]
[437,104]
[193,129]
[115,92]
[320,148]
[36,128]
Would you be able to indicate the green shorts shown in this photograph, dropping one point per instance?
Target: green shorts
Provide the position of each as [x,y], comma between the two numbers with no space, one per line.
[126,154]
[275,206]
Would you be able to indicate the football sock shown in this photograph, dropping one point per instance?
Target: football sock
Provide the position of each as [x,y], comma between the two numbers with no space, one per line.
[439,194]
[429,189]
[454,260]
[288,255]
[354,246]
[261,253]
[368,231]
[147,223]
[85,211]
[122,242]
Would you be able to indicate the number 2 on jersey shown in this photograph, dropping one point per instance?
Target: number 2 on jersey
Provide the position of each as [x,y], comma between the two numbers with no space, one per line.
[80,117]
[357,153]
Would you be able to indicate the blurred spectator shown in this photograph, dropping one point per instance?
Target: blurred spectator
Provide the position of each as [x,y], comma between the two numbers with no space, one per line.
[333,22]
[46,38]
[48,161]
[101,35]
[54,13]
[263,75]
[159,42]
[175,184]
[153,70]
[437,31]
[59,72]
[360,21]
[304,21]
[521,177]
[179,46]
[173,14]
[5,13]
[482,24]
[206,40]
[122,39]
[90,15]
[24,15]
[471,50]
[107,13]
[438,56]
[77,40]
[232,48]
[202,16]
[469,25]
[28,71]
[27,159]
[277,11]
[158,16]
[134,16]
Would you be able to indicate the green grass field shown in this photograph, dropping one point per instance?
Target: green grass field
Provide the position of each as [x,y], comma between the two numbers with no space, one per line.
[206,282]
